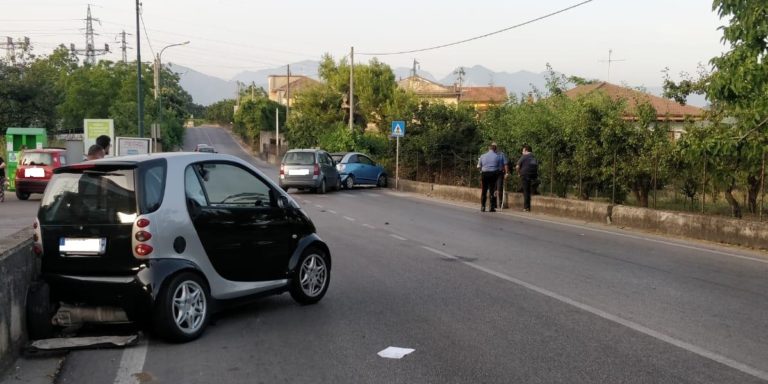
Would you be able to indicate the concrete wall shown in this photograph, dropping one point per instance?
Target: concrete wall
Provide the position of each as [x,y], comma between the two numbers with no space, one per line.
[18,266]
[712,228]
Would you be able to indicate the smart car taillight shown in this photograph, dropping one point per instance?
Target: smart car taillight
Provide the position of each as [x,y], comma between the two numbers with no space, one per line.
[282,169]
[143,249]
[317,170]
[142,223]
[143,236]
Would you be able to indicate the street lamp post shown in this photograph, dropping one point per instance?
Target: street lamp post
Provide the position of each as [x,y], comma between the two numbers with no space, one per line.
[157,82]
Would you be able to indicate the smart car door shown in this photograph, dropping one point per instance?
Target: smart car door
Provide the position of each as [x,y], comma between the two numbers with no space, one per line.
[245,234]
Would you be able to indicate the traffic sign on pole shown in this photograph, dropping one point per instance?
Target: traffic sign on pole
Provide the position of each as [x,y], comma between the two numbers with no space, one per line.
[398,129]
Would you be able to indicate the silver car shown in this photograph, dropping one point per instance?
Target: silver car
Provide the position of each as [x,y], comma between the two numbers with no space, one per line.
[169,238]
[312,169]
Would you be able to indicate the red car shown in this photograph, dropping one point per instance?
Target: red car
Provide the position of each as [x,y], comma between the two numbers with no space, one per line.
[36,168]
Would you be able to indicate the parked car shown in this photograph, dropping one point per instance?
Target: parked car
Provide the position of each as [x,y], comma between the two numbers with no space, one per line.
[309,168]
[358,169]
[167,239]
[205,148]
[36,168]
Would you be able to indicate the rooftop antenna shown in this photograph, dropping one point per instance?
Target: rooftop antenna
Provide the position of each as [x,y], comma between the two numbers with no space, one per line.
[609,61]
[415,67]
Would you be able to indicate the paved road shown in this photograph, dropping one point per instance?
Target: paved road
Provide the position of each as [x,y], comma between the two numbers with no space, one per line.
[17,214]
[482,298]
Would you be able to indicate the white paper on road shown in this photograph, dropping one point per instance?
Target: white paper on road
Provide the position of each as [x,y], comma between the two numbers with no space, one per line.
[395,352]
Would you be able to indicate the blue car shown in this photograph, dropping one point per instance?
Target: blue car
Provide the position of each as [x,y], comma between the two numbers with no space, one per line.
[358,169]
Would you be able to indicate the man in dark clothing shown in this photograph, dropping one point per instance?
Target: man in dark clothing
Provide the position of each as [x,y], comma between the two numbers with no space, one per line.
[528,170]
[104,142]
[2,179]
[490,164]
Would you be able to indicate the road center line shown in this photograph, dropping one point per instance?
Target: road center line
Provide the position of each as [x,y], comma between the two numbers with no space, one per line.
[319,206]
[369,226]
[616,319]
[398,237]
[331,211]
[131,363]
[349,218]
[441,253]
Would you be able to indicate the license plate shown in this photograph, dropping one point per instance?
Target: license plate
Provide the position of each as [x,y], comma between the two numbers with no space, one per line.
[82,246]
[34,172]
[298,172]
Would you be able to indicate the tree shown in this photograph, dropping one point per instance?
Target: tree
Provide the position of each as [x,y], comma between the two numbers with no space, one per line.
[736,87]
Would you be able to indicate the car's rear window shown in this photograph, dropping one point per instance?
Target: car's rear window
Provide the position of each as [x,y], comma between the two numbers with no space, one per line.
[299,158]
[91,197]
[36,158]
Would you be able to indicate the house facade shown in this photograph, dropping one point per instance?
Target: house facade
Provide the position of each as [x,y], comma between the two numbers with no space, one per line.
[283,89]
[481,98]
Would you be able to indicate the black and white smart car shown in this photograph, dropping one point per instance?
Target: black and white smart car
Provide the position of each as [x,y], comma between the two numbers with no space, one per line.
[167,238]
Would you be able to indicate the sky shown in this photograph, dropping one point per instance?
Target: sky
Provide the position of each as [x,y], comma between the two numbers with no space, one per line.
[230,36]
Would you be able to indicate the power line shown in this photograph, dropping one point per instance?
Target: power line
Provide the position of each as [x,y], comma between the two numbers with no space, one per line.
[146,35]
[476,37]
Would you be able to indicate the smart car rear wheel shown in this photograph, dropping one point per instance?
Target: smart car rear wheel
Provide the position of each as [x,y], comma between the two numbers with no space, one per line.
[22,195]
[311,278]
[182,312]
[382,181]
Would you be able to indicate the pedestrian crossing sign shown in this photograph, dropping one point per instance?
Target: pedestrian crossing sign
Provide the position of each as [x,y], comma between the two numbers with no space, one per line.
[398,129]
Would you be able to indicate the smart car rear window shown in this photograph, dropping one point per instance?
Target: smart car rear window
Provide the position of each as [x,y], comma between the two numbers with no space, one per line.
[91,197]
[299,158]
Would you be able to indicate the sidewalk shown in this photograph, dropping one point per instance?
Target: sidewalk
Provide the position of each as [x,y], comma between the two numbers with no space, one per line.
[32,370]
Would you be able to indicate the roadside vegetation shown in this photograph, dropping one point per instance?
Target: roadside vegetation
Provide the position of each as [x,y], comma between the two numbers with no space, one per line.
[57,92]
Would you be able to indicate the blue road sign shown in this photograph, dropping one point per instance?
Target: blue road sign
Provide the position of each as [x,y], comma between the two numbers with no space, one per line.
[398,129]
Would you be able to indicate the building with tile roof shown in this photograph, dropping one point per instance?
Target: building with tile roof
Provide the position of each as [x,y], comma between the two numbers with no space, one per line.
[479,97]
[667,110]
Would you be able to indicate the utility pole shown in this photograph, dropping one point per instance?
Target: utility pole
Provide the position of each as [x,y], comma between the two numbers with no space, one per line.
[10,48]
[288,92]
[139,96]
[124,46]
[415,67]
[351,88]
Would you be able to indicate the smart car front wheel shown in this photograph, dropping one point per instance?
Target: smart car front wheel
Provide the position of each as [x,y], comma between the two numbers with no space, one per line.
[311,278]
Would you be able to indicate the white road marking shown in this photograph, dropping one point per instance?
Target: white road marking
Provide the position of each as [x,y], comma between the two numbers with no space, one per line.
[374,194]
[349,218]
[331,211]
[369,226]
[307,202]
[395,352]
[319,206]
[441,253]
[616,319]
[398,237]
[131,363]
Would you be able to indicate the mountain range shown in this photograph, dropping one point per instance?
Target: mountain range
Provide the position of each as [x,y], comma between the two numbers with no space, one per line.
[206,89]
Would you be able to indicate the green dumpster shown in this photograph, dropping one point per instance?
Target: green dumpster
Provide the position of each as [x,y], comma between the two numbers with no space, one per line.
[17,139]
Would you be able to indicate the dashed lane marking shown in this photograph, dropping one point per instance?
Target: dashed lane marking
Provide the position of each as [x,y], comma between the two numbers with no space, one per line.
[369,226]
[331,211]
[349,218]
[398,237]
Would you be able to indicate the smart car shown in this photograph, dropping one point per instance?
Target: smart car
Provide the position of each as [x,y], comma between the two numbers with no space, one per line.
[169,239]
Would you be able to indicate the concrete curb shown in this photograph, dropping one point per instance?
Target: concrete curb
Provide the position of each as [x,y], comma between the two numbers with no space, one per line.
[18,267]
[693,226]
